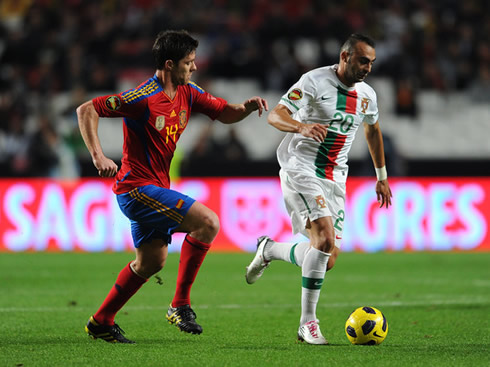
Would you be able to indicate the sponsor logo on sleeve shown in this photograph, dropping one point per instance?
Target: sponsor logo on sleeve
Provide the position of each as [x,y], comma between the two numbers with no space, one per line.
[113,103]
[296,94]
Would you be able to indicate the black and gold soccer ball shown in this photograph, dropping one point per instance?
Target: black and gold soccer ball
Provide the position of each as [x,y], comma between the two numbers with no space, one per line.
[366,326]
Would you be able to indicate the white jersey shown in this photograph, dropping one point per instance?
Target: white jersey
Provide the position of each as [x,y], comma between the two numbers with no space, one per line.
[320,97]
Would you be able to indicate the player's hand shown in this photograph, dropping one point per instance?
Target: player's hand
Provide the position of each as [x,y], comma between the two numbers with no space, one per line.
[105,166]
[256,103]
[383,193]
[316,131]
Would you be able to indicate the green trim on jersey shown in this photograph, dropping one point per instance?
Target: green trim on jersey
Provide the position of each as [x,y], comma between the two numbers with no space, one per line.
[346,100]
[290,104]
[304,201]
[327,154]
[341,99]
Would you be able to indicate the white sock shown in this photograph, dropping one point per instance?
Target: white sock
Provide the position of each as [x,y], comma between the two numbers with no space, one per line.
[313,273]
[293,253]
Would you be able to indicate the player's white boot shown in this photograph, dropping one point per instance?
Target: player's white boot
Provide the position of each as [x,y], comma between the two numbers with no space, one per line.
[258,264]
[310,333]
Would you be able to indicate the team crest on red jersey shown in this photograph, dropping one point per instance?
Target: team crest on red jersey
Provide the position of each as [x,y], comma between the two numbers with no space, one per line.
[295,94]
[182,118]
[113,103]
[160,122]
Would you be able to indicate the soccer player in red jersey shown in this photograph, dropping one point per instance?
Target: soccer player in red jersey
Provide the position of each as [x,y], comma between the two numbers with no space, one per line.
[155,114]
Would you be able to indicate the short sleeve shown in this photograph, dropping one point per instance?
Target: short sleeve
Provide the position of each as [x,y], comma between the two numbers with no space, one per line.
[204,102]
[115,105]
[301,94]
[371,115]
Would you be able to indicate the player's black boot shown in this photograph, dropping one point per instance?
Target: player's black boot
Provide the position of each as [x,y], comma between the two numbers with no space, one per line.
[109,333]
[184,318]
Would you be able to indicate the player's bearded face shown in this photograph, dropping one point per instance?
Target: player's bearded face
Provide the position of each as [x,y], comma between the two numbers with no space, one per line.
[182,72]
[359,63]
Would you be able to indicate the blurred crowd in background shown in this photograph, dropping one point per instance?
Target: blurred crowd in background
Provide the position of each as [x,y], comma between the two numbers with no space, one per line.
[79,48]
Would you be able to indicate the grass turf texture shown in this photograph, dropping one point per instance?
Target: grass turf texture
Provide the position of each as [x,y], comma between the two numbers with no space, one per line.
[437,307]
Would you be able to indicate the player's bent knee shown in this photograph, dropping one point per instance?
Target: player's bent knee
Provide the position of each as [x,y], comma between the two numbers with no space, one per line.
[159,265]
[210,224]
[152,269]
[155,267]
[147,268]
[326,246]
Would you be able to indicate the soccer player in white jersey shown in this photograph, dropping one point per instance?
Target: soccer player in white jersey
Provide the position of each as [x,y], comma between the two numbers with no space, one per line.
[321,114]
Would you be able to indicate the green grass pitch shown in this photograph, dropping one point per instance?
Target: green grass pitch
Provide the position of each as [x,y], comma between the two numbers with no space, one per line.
[437,306]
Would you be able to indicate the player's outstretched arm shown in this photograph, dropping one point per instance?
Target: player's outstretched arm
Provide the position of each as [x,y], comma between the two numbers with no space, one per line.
[236,112]
[280,118]
[374,139]
[88,122]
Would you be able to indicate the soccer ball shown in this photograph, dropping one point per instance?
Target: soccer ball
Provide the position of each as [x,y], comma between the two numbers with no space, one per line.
[367,326]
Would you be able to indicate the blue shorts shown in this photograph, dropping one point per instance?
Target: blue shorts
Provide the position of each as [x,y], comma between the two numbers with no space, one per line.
[154,212]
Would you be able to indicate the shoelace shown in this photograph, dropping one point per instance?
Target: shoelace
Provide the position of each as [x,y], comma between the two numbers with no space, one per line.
[312,327]
[188,314]
[117,329]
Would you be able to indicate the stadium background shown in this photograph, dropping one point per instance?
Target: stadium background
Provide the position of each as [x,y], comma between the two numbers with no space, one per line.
[432,76]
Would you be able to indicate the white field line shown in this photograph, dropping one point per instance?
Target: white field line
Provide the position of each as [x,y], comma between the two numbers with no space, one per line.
[434,302]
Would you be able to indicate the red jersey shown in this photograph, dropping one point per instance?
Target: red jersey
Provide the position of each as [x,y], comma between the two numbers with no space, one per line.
[152,126]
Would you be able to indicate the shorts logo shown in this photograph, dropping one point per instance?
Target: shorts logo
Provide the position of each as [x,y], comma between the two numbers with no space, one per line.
[160,122]
[180,203]
[295,94]
[320,200]
[113,103]
[364,104]
[182,118]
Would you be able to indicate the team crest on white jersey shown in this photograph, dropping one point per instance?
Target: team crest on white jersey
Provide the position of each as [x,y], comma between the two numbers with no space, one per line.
[364,104]
[320,200]
[160,122]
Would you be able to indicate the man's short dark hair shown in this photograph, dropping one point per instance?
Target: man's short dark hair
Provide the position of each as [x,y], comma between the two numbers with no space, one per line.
[172,45]
[354,39]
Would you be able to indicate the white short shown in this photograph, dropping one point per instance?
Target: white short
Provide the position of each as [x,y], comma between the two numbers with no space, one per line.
[311,198]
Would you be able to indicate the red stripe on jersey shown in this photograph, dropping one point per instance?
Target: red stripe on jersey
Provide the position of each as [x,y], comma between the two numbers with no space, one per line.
[351,102]
[333,153]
